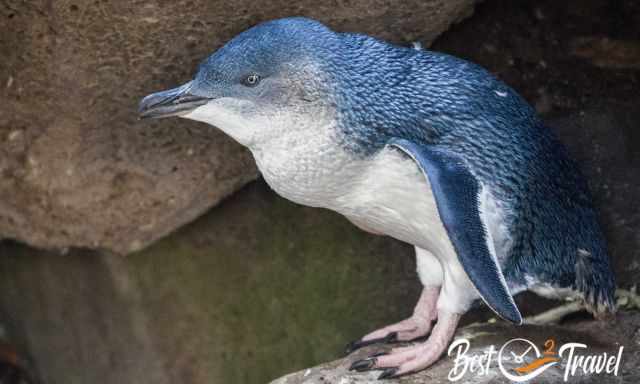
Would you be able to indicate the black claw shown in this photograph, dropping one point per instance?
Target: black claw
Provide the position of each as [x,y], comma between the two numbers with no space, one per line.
[390,338]
[388,373]
[352,346]
[378,354]
[363,365]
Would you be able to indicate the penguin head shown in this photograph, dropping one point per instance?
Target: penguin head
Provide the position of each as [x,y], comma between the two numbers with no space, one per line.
[258,85]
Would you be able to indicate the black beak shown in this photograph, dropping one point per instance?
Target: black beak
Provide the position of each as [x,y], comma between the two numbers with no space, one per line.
[173,102]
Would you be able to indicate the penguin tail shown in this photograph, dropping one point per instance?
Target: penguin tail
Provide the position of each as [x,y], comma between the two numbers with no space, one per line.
[596,283]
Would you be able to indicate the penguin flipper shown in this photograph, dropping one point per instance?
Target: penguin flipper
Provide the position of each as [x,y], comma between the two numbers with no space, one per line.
[456,192]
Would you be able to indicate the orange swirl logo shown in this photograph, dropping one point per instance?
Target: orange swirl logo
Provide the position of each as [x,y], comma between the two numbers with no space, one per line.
[538,362]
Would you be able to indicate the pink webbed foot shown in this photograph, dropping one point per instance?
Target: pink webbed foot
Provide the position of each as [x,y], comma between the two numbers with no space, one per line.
[416,357]
[419,324]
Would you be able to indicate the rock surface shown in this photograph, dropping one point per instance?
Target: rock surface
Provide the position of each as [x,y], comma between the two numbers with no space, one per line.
[600,338]
[78,169]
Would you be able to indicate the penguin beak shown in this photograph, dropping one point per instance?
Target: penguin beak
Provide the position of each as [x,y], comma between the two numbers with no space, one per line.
[173,102]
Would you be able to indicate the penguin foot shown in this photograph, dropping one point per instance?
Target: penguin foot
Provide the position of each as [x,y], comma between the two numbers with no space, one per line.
[416,357]
[418,325]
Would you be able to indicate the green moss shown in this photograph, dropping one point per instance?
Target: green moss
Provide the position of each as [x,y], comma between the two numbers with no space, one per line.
[273,287]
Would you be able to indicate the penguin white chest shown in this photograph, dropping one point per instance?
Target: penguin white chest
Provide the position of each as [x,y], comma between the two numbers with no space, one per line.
[307,166]
[393,197]
[386,193]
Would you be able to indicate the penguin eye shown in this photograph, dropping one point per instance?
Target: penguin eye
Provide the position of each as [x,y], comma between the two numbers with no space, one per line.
[251,80]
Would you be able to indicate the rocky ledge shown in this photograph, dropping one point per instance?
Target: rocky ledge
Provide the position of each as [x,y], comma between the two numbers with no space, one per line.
[619,339]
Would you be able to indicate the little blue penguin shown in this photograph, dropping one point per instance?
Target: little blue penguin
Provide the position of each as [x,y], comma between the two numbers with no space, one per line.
[421,146]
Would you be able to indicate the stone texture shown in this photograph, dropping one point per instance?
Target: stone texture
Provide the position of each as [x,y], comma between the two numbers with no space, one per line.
[599,338]
[78,169]
[608,53]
